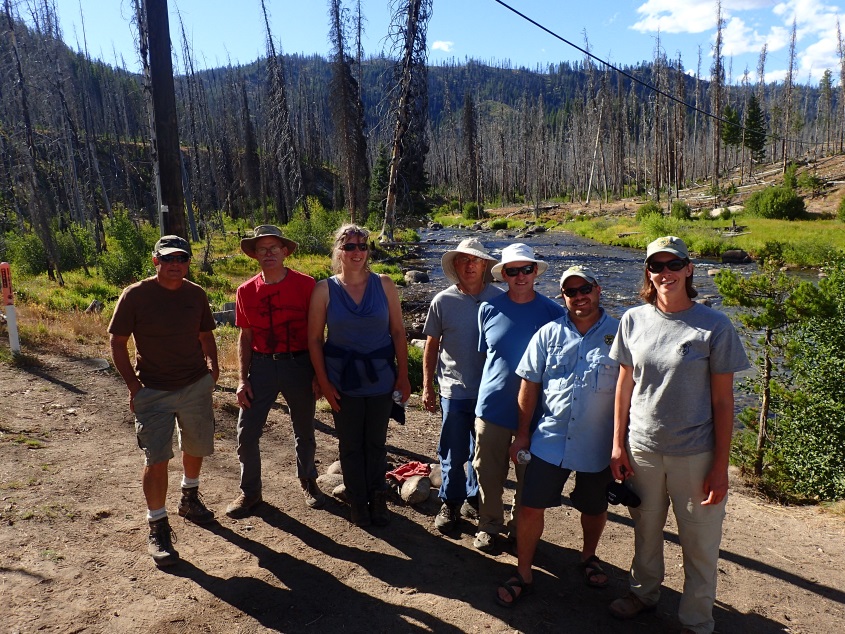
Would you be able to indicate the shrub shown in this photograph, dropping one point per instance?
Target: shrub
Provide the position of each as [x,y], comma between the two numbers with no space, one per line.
[680,210]
[314,235]
[656,225]
[499,223]
[778,203]
[76,247]
[26,252]
[789,179]
[811,181]
[130,249]
[471,211]
[651,208]
[406,235]
[726,214]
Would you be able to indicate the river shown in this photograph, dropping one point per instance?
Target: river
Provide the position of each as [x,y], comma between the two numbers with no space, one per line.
[619,269]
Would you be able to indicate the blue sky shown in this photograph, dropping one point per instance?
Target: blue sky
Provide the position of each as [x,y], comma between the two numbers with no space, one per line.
[620,31]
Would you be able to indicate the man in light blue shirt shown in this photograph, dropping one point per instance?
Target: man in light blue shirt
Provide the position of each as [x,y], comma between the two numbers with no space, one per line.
[567,369]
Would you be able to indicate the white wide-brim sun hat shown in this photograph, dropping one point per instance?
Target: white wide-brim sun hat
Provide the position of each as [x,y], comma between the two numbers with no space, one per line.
[517,252]
[470,246]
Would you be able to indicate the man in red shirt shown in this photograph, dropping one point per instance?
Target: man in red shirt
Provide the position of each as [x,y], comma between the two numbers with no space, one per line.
[271,310]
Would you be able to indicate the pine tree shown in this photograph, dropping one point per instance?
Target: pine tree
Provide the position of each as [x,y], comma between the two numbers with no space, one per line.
[755,129]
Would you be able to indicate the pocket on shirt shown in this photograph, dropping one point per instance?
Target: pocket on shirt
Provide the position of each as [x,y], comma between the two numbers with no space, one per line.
[606,378]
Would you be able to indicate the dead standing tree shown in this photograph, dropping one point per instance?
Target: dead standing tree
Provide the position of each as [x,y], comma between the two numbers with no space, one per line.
[408,31]
[155,50]
[280,132]
[37,214]
[347,111]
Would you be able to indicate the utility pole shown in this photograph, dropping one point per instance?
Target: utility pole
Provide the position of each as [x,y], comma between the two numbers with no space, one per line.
[171,198]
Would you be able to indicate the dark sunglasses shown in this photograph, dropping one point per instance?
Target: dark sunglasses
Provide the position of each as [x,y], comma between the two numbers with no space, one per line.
[351,246]
[181,258]
[586,289]
[513,271]
[672,265]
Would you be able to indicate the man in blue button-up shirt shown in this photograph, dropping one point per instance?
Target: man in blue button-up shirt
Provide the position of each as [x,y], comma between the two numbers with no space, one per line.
[567,369]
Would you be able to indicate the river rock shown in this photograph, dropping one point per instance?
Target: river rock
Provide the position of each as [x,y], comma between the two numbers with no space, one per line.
[340,492]
[436,475]
[712,272]
[435,226]
[416,277]
[415,489]
[329,481]
[736,256]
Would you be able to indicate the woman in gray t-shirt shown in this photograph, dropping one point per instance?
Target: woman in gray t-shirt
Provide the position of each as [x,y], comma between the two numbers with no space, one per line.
[672,432]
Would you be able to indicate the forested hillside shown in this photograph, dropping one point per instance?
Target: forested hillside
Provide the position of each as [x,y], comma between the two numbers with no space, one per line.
[74,134]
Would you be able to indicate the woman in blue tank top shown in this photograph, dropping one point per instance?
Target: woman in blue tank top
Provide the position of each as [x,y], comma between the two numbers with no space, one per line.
[359,364]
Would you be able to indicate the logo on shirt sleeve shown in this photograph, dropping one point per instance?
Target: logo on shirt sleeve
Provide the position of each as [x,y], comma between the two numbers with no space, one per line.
[608,339]
[683,348]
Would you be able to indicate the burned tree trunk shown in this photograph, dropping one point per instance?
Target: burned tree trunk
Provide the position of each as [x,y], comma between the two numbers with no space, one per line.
[166,130]
[410,21]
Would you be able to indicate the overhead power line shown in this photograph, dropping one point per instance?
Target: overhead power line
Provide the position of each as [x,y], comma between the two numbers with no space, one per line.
[645,84]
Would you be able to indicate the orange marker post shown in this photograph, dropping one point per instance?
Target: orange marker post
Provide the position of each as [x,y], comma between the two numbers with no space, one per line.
[9,302]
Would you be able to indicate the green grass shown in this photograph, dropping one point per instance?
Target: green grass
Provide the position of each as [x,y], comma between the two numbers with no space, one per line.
[31,443]
[451,220]
[808,242]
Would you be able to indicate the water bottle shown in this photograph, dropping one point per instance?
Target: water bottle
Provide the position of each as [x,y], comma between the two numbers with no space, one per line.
[523,456]
[397,398]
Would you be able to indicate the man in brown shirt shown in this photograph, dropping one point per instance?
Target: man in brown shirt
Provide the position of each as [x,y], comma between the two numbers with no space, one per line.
[170,384]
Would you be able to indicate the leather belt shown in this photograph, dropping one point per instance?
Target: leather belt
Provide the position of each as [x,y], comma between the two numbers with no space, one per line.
[278,356]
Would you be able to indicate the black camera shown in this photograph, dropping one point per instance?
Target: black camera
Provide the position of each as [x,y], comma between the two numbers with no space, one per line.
[618,493]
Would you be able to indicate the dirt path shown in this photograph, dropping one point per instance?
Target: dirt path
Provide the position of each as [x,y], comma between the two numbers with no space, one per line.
[73,556]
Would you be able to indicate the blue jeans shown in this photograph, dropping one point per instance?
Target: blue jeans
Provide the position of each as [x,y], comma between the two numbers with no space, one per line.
[291,378]
[456,448]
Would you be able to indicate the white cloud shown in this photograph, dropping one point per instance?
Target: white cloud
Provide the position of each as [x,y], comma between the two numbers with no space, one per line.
[440,45]
[751,23]
[675,16]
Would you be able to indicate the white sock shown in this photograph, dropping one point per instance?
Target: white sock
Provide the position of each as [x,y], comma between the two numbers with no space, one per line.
[158,514]
[190,483]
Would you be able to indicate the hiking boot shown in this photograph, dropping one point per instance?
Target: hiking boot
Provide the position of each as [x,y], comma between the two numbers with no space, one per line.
[191,507]
[314,498]
[378,508]
[359,514]
[628,607]
[485,542]
[160,543]
[469,509]
[447,518]
[242,505]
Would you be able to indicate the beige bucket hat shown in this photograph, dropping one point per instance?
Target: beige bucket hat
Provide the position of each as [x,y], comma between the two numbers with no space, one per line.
[470,246]
[263,231]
